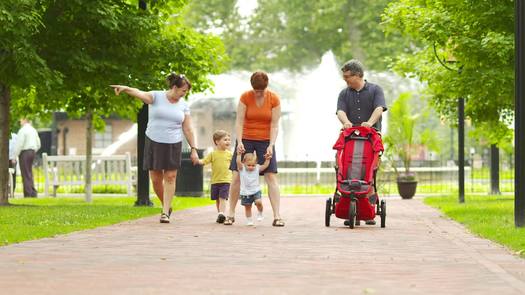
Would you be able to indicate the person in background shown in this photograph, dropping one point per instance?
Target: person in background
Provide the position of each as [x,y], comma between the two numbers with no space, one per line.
[12,158]
[27,144]
[221,176]
[168,119]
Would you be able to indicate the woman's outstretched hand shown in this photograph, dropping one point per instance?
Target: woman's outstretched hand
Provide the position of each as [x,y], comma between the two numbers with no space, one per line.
[118,88]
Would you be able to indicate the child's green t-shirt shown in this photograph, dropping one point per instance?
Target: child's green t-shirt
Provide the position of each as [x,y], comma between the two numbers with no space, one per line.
[220,164]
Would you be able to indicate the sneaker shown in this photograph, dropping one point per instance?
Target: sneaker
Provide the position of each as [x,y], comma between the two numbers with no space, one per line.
[220,218]
[249,222]
[260,216]
[164,218]
[370,222]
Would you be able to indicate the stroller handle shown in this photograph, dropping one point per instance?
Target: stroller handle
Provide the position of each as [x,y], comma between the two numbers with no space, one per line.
[359,125]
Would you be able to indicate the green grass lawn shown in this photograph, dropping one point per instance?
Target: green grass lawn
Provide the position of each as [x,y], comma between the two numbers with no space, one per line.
[29,219]
[491,217]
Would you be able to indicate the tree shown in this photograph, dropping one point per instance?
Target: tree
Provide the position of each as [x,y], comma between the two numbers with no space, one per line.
[87,46]
[111,41]
[295,34]
[20,66]
[480,36]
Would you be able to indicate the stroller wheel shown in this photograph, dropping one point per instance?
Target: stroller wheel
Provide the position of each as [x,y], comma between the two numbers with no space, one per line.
[352,213]
[383,213]
[328,212]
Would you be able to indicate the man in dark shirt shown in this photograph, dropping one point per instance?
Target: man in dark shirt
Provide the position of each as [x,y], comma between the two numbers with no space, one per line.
[361,103]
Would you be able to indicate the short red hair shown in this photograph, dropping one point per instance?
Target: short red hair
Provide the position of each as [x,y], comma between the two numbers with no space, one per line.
[259,80]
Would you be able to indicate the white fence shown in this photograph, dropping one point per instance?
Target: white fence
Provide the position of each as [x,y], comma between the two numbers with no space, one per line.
[70,170]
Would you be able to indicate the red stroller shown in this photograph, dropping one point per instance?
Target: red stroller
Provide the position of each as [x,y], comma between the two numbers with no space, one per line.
[357,161]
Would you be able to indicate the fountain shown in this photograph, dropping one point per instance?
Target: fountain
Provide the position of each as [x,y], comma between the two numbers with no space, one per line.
[123,138]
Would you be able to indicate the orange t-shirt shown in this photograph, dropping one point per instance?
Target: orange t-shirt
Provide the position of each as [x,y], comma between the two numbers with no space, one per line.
[258,120]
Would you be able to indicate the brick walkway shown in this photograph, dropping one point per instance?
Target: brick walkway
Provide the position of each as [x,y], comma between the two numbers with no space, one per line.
[418,252]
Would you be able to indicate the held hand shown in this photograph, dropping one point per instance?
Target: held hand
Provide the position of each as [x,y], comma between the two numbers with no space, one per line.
[269,152]
[366,124]
[347,125]
[118,89]
[240,148]
[194,157]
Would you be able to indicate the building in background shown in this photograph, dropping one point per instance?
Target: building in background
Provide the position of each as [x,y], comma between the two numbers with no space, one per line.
[71,136]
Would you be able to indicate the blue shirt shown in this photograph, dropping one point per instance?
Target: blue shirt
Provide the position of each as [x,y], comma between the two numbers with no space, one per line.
[165,118]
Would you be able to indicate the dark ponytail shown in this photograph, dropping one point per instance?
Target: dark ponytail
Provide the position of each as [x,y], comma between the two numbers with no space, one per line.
[177,80]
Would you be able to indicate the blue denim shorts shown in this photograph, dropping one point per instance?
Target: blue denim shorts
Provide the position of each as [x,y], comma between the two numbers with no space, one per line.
[248,200]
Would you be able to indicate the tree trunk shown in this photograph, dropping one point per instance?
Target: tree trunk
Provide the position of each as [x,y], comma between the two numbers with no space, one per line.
[354,35]
[5,97]
[89,138]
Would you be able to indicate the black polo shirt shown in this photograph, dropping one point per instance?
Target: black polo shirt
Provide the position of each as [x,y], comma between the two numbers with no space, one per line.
[359,105]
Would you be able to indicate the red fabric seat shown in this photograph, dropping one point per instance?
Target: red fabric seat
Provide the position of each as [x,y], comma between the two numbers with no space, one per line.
[358,151]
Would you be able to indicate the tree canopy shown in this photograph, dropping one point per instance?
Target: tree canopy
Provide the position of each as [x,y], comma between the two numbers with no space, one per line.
[475,39]
[63,54]
[295,34]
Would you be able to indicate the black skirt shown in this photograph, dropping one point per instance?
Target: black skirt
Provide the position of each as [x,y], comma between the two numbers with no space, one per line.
[162,156]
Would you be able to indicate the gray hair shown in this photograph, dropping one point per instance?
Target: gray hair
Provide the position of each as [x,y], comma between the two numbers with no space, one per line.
[354,66]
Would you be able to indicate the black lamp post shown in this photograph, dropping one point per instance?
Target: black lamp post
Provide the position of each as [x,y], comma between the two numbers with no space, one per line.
[461,129]
[461,149]
[519,120]
[142,175]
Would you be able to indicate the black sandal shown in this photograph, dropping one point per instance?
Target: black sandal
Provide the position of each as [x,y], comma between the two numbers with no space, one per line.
[229,220]
[278,222]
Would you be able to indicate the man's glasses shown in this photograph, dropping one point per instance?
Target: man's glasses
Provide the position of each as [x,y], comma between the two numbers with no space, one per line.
[346,76]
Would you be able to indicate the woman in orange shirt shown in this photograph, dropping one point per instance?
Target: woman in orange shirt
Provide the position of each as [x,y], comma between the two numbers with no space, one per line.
[257,123]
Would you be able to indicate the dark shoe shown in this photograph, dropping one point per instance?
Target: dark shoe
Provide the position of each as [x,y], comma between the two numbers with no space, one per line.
[221,218]
[370,222]
[164,218]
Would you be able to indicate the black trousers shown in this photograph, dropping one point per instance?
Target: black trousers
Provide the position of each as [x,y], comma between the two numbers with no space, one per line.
[26,159]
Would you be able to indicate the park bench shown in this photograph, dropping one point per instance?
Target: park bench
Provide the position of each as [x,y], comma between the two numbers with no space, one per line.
[69,171]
